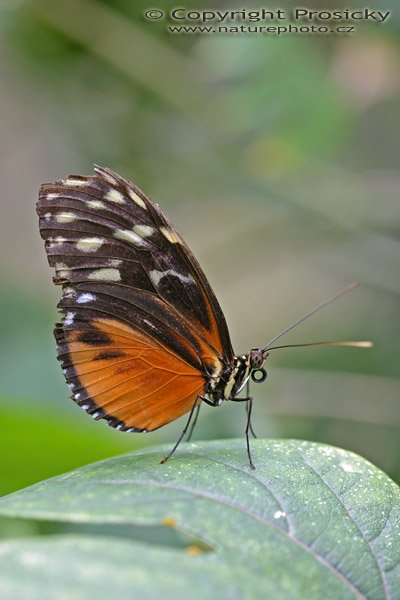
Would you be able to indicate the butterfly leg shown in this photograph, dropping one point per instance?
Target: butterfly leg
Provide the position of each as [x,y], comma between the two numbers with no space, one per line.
[249,406]
[211,402]
[251,426]
[207,401]
[183,432]
[194,423]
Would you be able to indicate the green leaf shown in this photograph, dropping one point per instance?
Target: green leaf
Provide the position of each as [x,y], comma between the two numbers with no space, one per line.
[311,522]
[96,567]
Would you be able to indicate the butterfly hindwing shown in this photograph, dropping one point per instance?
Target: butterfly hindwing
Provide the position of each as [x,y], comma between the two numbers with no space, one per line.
[130,285]
[124,376]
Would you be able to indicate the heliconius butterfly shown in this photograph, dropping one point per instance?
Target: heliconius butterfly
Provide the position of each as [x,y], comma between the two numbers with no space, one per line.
[143,339]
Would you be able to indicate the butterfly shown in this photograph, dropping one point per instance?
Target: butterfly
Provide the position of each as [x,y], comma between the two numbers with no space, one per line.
[143,339]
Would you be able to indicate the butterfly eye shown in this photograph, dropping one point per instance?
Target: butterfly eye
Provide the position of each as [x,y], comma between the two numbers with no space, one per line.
[259,375]
[256,358]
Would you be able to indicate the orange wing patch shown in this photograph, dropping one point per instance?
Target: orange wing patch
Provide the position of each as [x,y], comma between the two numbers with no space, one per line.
[131,379]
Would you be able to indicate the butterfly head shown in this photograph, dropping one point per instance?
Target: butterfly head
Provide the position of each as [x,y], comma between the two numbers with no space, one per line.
[256,358]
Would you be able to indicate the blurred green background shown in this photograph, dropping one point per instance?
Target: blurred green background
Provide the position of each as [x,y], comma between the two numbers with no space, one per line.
[278,160]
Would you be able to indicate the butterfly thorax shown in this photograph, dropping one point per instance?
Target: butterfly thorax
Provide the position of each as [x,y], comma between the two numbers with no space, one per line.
[232,378]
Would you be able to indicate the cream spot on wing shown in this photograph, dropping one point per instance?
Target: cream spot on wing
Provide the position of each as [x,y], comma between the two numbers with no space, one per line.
[77,182]
[150,324]
[89,244]
[106,275]
[60,266]
[156,276]
[60,240]
[143,230]
[87,297]
[47,216]
[69,292]
[66,217]
[109,178]
[114,262]
[95,204]
[69,318]
[134,196]
[52,195]
[115,196]
[62,270]
[169,235]
[129,236]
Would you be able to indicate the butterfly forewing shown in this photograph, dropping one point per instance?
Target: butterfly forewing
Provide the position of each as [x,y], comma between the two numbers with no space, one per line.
[142,329]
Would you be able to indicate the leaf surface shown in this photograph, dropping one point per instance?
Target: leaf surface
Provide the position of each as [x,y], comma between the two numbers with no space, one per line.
[312,521]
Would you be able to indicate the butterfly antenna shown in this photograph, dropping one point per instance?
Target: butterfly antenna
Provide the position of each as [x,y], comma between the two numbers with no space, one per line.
[365,344]
[350,288]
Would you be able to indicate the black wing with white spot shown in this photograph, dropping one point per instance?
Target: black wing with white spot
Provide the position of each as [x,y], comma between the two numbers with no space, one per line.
[117,255]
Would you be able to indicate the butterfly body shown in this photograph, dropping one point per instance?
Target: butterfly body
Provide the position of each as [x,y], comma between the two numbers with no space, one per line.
[143,339]
[234,376]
